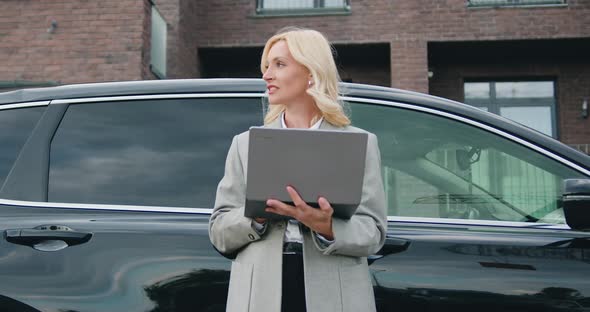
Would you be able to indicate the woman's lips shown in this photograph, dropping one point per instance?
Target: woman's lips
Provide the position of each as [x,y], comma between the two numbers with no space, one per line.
[271,89]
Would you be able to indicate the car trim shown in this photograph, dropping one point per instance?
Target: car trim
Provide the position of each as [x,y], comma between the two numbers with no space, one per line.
[155,97]
[576,197]
[475,222]
[477,124]
[22,105]
[11,202]
[166,209]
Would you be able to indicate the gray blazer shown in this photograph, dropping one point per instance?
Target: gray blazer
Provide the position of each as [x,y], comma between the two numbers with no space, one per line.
[336,278]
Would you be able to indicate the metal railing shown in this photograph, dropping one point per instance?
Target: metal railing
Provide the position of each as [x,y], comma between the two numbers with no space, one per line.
[301,6]
[582,147]
[501,3]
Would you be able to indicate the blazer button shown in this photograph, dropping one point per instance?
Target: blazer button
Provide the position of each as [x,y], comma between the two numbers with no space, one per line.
[251,236]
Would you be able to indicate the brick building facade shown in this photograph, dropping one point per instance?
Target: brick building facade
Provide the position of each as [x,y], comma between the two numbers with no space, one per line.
[431,46]
[91,41]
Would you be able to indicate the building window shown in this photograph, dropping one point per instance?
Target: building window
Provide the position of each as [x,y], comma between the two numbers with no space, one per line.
[158,44]
[501,3]
[531,103]
[274,7]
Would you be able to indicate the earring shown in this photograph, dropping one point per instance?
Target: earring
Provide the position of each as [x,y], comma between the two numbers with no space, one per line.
[309,83]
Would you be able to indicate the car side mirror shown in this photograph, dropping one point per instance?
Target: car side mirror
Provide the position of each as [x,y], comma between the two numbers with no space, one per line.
[576,203]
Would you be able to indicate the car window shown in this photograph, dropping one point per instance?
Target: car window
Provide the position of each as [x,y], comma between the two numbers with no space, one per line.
[155,152]
[443,168]
[15,127]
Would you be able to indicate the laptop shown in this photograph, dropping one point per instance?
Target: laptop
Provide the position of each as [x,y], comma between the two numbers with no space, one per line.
[315,162]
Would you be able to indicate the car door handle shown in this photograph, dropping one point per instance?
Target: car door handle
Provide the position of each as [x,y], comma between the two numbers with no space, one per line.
[30,237]
[392,245]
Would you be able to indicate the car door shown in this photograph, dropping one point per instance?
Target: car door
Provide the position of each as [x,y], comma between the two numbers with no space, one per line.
[119,222]
[475,218]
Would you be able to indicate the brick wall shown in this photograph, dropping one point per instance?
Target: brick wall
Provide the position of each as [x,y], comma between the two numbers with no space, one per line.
[409,65]
[146,72]
[182,60]
[109,40]
[93,40]
[406,24]
[187,65]
[573,85]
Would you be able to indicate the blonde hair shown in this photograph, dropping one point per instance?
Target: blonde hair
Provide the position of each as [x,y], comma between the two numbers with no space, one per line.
[311,49]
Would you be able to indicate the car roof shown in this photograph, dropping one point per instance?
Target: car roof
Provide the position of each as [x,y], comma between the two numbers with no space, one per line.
[121,88]
[251,85]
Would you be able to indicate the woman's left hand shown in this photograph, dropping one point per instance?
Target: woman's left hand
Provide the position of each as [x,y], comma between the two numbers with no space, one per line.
[318,220]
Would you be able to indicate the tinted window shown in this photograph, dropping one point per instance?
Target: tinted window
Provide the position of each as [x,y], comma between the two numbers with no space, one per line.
[442,168]
[160,152]
[15,127]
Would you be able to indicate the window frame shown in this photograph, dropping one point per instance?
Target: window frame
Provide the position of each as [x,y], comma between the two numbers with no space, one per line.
[318,8]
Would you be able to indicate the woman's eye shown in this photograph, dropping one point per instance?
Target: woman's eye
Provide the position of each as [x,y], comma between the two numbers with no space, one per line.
[280,64]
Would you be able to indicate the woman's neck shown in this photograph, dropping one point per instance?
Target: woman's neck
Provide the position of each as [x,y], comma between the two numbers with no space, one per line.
[300,116]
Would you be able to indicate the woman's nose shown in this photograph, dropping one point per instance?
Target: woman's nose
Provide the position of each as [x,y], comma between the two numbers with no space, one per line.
[267,75]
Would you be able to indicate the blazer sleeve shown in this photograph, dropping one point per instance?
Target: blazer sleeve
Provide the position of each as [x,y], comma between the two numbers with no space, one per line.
[365,232]
[229,229]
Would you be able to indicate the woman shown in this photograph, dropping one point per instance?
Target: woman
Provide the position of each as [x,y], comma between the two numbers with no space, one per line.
[314,261]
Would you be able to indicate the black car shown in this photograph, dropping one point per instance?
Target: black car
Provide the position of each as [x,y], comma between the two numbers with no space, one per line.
[107,190]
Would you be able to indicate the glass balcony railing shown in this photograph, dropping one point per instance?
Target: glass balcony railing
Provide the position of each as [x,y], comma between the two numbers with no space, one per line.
[501,3]
[273,7]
